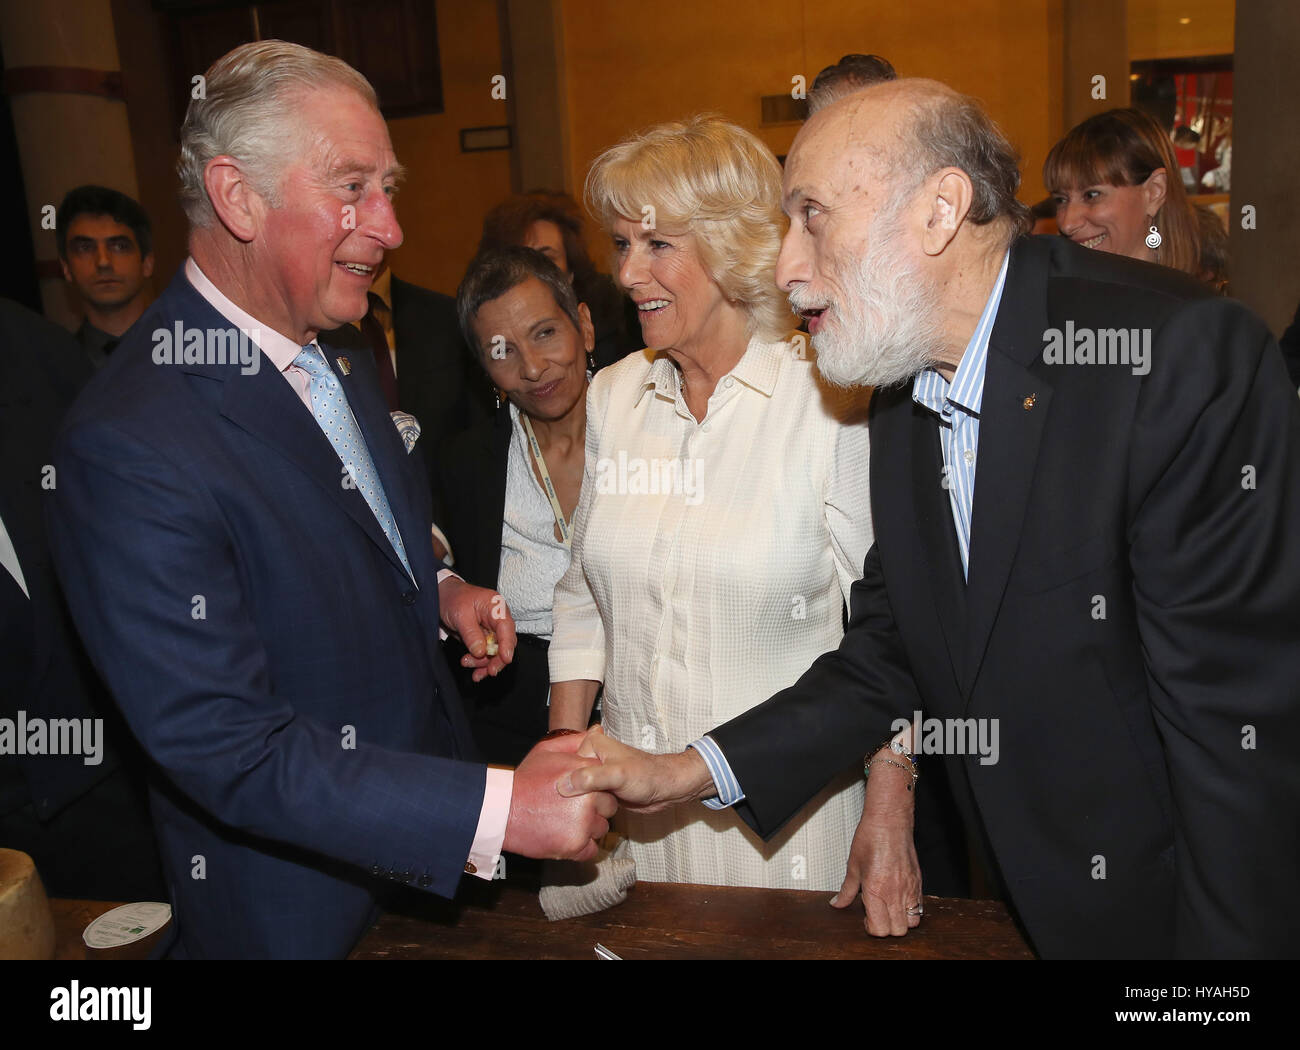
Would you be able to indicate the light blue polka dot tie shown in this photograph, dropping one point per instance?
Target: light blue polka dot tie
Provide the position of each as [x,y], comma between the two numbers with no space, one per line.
[336,420]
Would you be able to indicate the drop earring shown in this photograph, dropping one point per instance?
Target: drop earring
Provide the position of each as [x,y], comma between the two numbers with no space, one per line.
[591,365]
[1154,240]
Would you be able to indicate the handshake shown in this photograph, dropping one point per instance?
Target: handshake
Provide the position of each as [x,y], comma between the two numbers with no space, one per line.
[569,786]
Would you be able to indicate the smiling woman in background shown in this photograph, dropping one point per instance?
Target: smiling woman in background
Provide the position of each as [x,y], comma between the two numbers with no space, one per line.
[552,223]
[725,510]
[1117,188]
[508,487]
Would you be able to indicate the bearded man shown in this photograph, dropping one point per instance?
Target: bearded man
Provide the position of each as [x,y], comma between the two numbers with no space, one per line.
[1085,480]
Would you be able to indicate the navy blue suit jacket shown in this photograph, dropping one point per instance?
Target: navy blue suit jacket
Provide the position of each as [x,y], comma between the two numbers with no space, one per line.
[264,642]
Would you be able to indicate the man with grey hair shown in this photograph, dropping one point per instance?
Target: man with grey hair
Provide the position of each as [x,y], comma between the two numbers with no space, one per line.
[1088,561]
[246,550]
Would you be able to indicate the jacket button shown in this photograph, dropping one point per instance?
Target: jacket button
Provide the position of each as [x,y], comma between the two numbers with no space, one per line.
[376,869]
[408,876]
[426,879]
[408,597]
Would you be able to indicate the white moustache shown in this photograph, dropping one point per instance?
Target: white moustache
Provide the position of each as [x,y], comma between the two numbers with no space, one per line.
[799,300]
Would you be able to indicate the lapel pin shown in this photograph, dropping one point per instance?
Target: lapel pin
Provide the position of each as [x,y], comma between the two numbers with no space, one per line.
[1029,401]
[345,366]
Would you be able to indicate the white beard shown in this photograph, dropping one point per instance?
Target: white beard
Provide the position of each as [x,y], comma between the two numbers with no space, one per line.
[886,327]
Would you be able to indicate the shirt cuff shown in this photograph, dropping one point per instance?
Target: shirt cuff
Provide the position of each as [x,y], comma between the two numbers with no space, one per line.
[571,665]
[724,779]
[485,853]
[442,575]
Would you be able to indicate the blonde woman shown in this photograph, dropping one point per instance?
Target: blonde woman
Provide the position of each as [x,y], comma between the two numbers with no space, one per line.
[724,513]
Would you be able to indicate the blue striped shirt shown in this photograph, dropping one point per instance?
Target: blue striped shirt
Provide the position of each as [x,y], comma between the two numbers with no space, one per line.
[957,404]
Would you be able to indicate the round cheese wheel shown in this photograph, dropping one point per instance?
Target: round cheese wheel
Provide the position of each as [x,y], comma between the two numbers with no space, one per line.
[26,925]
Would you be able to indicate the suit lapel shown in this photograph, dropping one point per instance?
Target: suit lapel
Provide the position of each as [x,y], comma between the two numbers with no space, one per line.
[1013,414]
[387,451]
[415,374]
[937,535]
[265,406]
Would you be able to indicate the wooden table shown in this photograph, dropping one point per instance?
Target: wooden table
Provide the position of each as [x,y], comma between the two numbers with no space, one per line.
[71,917]
[502,920]
[673,921]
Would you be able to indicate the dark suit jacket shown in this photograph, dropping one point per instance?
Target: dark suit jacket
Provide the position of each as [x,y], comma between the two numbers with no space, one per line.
[1152,740]
[1290,347]
[86,826]
[258,630]
[508,713]
[437,382]
[42,670]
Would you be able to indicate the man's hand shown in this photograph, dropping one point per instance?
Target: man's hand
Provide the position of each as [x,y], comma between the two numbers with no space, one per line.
[469,611]
[542,822]
[882,859]
[642,783]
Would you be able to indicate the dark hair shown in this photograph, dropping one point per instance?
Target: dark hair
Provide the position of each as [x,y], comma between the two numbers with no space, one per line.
[1122,147]
[508,223]
[1044,209]
[848,74]
[100,200]
[496,271]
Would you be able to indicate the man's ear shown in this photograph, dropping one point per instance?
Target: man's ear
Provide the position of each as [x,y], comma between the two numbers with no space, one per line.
[1155,189]
[233,198]
[948,195]
[67,274]
[146,267]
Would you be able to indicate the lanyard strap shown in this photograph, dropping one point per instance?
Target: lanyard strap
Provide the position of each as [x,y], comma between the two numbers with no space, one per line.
[565,529]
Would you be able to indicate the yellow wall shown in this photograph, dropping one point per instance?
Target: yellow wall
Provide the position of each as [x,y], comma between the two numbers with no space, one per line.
[447,192]
[627,68]
[1154,30]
